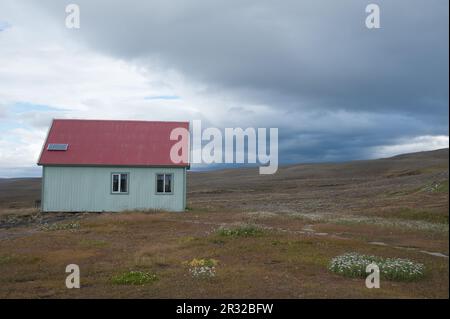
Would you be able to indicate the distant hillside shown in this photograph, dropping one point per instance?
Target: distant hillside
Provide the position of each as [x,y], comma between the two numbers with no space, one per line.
[22,192]
[436,154]
[19,192]
[412,163]
[418,180]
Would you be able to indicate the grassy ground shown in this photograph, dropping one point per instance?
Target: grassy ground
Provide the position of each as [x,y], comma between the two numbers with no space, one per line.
[271,237]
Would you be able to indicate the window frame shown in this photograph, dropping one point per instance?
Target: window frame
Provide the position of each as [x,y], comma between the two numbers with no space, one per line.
[120,182]
[172,177]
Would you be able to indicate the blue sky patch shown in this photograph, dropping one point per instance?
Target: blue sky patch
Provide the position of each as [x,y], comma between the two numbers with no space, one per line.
[21,107]
[4,25]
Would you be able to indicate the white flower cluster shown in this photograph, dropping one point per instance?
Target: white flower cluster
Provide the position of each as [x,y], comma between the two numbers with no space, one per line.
[203,271]
[354,265]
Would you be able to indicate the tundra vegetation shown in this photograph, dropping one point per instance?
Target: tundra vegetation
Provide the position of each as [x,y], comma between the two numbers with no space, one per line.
[240,231]
[202,268]
[134,278]
[305,232]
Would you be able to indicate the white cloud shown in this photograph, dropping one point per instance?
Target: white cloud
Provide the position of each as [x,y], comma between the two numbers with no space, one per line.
[416,144]
[19,148]
[43,63]
[46,67]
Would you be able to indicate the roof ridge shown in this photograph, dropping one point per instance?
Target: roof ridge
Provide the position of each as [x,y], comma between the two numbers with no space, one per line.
[119,120]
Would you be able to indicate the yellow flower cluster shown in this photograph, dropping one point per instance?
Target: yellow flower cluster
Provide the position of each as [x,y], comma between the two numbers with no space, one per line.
[203,262]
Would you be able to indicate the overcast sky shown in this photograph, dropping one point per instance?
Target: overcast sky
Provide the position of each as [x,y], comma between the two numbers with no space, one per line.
[335,89]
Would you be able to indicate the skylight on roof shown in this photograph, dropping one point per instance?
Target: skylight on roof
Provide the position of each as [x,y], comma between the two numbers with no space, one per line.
[57,147]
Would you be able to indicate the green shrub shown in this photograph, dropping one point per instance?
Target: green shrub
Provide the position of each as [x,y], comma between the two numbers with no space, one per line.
[411,214]
[18,259]
[442,187]
[437,187]
[397,269]
[93,243]
[61,226]
[240,231]
[134,278]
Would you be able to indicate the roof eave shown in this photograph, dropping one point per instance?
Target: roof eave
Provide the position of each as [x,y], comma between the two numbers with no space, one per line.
[114,165]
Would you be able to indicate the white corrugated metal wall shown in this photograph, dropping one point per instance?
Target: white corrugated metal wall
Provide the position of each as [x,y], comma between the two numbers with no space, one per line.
[78,189]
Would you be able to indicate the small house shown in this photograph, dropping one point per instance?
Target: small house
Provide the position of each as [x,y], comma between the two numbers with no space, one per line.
[106,165]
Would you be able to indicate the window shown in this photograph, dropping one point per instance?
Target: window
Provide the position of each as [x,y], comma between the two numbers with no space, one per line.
[160,183]
[119,183]
[164,183]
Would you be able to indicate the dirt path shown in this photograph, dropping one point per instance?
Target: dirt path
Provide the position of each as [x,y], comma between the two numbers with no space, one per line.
[309,231]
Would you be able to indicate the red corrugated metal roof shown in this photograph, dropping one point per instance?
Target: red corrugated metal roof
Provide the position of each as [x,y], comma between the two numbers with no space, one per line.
[103,142]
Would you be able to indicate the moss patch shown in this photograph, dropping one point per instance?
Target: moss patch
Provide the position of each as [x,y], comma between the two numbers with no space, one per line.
[134,278]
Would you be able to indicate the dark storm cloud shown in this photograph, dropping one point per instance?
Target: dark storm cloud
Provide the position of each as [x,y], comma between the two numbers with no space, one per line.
[297,57]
